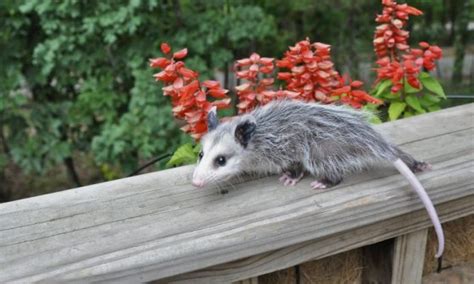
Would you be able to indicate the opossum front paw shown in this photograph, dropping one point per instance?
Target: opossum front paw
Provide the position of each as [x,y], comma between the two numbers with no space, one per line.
[318,185]
[287,180]
[421,167]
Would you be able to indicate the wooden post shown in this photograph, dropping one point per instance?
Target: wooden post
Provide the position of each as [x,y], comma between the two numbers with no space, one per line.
[408,257]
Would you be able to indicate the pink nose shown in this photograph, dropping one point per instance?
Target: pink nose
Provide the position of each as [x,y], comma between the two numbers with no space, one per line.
[198,183]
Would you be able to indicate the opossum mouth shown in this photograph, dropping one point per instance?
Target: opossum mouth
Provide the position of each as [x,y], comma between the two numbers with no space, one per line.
[221,182]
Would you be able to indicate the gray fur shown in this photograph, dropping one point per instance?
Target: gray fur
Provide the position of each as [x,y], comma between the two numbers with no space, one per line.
[327,141]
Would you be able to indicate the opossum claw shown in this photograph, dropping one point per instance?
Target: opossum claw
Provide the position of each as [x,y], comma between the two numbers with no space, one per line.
[421,167]
[289,181]
[318,185]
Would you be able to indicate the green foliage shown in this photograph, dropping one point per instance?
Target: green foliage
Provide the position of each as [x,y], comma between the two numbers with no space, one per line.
[411,101]
[77,76]
[432,85]
[185,154]
[374,114]
[395,109]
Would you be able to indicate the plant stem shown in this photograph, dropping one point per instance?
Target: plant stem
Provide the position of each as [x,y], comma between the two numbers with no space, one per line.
[157,159]
[71,170]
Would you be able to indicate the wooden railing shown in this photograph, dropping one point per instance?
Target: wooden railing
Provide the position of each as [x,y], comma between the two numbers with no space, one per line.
[157,227]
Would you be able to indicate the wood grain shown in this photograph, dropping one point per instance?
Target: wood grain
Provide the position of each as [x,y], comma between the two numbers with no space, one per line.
[408,257]
[157,226]
[321,248]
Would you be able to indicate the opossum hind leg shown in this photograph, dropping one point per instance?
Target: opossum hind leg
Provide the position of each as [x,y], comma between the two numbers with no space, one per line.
[292,175]
[414,165]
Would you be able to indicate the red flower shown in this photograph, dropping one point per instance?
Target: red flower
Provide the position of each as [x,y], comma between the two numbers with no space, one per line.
[396,60]
[254,91]
[165,48]
[189,96]
[180,54]
[313,77]
[159,62]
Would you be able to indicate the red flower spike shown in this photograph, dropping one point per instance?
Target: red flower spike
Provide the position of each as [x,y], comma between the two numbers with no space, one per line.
[266,61]
[160,62]
[221,104]
[188,74]
[342,90]
[180,54]
[396,60]
[218,93]
[424,44]
[313,77]
[188,96]
[243,62]
[165,48]
[413,11]
[211,84]
[356,84]
[256,90]
[254,58]
[242,87]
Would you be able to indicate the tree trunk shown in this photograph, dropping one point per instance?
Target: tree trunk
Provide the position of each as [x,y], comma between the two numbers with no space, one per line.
[71,171]
[353,60]
[453,5]
[177,13]
[6,148]
[461,41]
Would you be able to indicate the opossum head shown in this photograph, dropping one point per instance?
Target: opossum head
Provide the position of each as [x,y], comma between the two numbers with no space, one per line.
[223,149]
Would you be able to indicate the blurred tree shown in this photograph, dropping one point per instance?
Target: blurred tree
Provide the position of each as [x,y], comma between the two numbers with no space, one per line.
[77,81]
[461,38]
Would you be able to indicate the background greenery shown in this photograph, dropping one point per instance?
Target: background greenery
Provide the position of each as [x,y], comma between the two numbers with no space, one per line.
[78,100]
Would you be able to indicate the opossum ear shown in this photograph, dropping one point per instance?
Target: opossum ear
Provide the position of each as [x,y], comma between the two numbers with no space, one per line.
[244,131]
[212,120]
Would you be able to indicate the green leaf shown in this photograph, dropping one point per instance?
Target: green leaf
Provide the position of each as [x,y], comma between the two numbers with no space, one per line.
[396,109]
[434,108]
[391,96]
[375,119]
[407,114]
[414,103]
[372,110]
[428,100]
[197,149]
[381,87]
[432,84]
[184,155]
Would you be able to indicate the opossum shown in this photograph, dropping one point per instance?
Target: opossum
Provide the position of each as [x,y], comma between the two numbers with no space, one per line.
[292,138]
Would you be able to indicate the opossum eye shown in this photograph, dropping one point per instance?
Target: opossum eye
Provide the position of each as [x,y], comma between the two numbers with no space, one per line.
[201,154]
[220,161]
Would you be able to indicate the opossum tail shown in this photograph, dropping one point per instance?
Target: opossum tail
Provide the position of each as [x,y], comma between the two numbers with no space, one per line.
[410,176]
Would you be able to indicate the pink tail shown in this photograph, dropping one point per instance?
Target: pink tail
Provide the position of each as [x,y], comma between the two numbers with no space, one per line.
[408,174]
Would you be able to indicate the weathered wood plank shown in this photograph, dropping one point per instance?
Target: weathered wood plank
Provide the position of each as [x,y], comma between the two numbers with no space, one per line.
[156,225]
[408,257]
[321,248]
